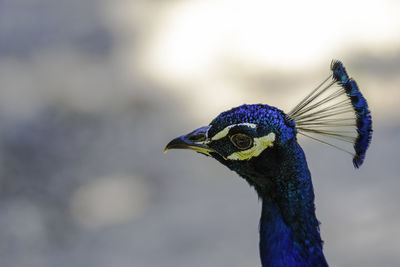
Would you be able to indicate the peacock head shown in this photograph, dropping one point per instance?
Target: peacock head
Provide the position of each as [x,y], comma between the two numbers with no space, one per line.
[249,139]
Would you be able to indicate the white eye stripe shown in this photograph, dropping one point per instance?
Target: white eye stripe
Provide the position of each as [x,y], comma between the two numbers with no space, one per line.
[259,145]
[225,131]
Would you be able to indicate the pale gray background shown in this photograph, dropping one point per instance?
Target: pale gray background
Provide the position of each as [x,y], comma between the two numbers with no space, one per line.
[91,91]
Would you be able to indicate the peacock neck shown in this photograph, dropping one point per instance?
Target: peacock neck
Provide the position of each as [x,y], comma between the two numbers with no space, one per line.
[289,229]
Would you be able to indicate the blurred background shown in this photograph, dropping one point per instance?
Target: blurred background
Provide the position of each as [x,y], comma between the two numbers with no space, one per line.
[91,92]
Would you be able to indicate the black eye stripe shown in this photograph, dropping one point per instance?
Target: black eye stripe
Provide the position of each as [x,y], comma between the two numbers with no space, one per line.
[242,129]
[218,133]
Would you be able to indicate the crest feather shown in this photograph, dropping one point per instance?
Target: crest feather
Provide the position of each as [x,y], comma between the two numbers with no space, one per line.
[336,110]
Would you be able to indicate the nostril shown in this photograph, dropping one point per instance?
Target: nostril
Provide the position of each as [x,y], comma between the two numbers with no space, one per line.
[197,138]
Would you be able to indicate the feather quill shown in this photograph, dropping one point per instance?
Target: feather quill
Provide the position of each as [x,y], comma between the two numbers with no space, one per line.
[336,111]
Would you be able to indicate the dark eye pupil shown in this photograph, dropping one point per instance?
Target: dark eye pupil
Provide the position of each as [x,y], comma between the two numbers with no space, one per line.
[242,141]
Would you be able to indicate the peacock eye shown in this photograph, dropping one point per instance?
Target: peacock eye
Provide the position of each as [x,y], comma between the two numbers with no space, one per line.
[241,141]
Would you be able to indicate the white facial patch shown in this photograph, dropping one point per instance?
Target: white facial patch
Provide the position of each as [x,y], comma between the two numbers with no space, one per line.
[259,145]
[225,131]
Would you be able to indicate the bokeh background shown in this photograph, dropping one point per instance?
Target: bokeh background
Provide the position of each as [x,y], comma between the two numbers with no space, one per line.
[91,92]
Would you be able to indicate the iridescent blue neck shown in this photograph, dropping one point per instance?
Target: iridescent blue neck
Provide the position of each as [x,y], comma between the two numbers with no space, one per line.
[289,229]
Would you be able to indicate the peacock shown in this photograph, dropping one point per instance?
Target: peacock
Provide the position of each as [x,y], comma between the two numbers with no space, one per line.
[259,143]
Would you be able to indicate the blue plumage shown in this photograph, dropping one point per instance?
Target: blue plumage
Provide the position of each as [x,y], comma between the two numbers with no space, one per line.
[364,121]
[289,229]
[259,143]
[336,112]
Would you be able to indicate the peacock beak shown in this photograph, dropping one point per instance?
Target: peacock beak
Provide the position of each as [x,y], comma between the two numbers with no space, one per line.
[196,141]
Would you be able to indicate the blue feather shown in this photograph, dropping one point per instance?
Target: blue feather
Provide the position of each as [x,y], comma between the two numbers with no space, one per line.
[289,229]
[336,112]
[363,115]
